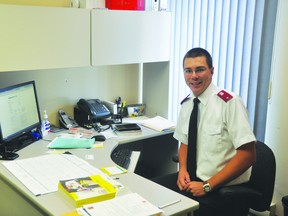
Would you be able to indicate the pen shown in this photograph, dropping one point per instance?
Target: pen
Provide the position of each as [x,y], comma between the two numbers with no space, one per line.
[168,204]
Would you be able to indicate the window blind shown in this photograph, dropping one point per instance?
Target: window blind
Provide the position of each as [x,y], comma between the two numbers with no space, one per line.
[233,32]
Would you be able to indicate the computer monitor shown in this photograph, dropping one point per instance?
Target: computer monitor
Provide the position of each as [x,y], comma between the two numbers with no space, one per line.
[19,116]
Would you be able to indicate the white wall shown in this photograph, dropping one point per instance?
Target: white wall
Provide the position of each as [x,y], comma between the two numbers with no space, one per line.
[277,114]
[62,88]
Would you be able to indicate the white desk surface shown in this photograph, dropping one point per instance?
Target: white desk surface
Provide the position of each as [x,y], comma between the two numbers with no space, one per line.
[56,204]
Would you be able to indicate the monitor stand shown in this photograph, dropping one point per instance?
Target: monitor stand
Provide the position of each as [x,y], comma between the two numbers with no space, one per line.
[8,149]
[6,155]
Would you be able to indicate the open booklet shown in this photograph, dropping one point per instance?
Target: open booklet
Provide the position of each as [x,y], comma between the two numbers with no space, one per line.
[159,123]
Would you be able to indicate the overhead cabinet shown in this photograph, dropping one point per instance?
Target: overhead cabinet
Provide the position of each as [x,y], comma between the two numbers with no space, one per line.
[35,37]
[124,37]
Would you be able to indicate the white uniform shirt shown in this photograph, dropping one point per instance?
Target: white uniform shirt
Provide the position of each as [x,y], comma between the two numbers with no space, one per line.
[222,128]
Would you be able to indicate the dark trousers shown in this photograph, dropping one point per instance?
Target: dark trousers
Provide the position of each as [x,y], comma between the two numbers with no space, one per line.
[212,204]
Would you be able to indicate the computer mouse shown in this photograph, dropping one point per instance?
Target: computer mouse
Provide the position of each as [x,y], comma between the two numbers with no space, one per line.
[99,137]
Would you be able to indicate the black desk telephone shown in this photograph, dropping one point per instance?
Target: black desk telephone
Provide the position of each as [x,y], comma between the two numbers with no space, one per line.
[88,111]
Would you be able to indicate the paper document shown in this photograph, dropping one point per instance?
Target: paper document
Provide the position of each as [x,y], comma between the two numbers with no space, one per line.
[127,205]
[42,174]
[134,161]
[159,123]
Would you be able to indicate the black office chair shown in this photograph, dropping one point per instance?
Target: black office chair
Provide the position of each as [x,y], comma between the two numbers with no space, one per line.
[259,190]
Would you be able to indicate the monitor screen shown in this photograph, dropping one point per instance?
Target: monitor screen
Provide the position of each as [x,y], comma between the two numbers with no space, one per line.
[19,111]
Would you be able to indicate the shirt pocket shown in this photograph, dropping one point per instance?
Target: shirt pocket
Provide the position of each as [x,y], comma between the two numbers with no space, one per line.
[212,134]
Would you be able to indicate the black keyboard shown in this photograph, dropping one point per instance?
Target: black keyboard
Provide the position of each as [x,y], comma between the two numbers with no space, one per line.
[20,143]
[122,157]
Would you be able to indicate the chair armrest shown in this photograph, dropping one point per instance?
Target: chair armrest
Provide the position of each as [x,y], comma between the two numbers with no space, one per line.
[239,191]
[175,158]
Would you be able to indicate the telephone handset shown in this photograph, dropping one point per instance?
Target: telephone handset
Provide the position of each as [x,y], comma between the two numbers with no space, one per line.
[94,107]
[65,121]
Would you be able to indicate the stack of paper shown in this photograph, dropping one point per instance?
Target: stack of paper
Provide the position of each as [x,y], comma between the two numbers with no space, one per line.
[127,205]
[159,123]
[41,174]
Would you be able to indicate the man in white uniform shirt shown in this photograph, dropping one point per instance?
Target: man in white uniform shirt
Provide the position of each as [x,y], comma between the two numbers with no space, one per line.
[225,140]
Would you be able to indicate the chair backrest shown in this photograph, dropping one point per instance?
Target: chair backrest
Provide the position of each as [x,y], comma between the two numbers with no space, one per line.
[263,176]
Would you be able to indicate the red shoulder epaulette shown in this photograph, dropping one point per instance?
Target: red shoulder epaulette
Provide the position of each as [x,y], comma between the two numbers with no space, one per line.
[185,99]
[224,95]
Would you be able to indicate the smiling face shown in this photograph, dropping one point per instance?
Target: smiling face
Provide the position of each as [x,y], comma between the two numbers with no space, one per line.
[197,74]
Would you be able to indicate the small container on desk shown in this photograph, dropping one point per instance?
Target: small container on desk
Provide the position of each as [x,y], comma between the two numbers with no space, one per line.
[135,110]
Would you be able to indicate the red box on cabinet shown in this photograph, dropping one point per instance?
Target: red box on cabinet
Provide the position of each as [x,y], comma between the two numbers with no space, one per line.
[125,4]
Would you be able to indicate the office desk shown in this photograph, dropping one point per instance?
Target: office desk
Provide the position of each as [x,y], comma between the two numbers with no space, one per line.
[156,150]
[18,200]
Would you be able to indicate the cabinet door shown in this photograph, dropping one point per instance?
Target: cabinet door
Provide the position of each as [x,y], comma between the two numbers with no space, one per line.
[124,37]
[43,37]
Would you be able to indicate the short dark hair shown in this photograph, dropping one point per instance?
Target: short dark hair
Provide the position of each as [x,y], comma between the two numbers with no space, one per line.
[197,52]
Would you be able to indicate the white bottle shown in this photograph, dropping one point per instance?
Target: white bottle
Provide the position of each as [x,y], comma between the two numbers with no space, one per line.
[45,124]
